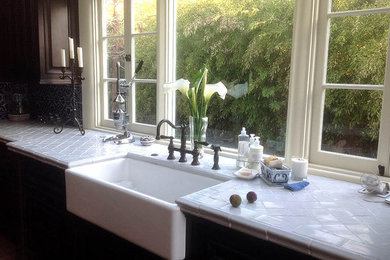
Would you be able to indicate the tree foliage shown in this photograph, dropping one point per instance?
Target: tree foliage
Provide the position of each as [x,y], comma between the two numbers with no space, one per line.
[239,41]
[250,41]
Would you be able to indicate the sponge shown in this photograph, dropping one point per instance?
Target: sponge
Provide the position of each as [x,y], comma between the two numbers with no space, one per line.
[296,186]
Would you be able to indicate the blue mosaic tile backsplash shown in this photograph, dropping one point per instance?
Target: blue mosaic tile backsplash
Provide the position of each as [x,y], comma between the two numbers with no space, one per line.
[3,100]
[55,100]
[44,100]
[6,92]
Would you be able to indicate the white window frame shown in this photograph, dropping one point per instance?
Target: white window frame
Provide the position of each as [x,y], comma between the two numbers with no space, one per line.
[303,93]
[332,159]
[304,119]
[164,54]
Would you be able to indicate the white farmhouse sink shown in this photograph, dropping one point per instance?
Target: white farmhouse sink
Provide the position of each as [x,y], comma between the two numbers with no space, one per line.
[135,200]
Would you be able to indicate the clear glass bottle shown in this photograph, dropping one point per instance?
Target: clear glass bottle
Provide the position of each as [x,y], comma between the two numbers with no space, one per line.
[243,147]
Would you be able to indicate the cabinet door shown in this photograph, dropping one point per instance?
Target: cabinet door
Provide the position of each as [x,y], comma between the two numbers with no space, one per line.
[9,194]
[93,242]
[46,225]
[57,20]
[207,240]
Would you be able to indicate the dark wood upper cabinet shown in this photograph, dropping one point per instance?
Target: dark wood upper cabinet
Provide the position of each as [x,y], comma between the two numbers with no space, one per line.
[32,34]
[18,44]
[57,20]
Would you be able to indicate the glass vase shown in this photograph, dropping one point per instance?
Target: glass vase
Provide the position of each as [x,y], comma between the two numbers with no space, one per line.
[198,128]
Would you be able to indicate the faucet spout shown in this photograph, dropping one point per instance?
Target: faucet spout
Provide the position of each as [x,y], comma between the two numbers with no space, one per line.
[183,140]
[158,135]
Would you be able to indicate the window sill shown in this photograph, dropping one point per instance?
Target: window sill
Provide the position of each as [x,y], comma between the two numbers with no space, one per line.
[339,174]
[314,169]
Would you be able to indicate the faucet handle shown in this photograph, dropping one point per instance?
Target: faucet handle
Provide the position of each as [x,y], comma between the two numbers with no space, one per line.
[165,137]
[217,149]
[195,152]
[197,143]
[171,148]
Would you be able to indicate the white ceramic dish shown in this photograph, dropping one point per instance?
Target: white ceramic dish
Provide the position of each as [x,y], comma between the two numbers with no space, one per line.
[241,173]
[147,140]
[146,143]
[274,175]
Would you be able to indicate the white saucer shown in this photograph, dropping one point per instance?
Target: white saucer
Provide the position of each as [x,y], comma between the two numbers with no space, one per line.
[252,175]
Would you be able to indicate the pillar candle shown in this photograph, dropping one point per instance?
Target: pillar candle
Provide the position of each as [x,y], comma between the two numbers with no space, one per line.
[80,56]
[63,58]
[71,48]
[299,168]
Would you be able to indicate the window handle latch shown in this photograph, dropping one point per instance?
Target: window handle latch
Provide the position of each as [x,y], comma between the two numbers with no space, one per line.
[128,57]
[381,170]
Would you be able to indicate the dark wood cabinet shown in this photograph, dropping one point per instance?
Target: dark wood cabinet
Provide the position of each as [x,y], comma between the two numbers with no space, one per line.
[33,212]
[207,240]
[32,34]
[93,242]
[9,194]
[45,220]
[57,20]
[19,41]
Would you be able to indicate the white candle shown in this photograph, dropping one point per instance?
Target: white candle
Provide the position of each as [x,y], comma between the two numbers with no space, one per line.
[63,58]
[299,168]
[80,56]
[71,48]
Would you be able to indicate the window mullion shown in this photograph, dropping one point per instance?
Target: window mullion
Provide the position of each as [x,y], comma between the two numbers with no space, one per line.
[129,49]
[353,86]
[112,37]
[166,60]
[359,12]
[384,131]
[300,79]
[142,34]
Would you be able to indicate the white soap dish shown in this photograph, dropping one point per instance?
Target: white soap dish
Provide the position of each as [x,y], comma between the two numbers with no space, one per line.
[147,140]
[246,173]
[366,191]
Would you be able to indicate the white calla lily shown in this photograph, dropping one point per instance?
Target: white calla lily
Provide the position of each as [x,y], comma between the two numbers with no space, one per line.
[181,84]
[210,89]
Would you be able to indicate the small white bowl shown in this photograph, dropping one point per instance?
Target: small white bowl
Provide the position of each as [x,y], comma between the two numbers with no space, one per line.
[147,140]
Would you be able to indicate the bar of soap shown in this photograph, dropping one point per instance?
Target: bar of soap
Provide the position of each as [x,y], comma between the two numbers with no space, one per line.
[246,172]
[276,164]
[273,162]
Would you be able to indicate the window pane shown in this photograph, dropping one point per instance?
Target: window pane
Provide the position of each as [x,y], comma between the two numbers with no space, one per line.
[145,16]
[110,90]
[246,45]
[113,17]
[351,122]
[342,5]
[145,94]
[146,50]
[357,49]
[114,52]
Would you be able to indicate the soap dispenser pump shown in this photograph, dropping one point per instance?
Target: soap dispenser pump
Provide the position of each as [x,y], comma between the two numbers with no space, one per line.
[252,140]
[255,154]
[243,147]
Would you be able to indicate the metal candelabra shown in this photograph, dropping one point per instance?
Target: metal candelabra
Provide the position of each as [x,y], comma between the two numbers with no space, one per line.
[74,76]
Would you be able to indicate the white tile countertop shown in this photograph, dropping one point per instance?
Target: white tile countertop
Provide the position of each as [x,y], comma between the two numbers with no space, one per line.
[63,150]
[329,219]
